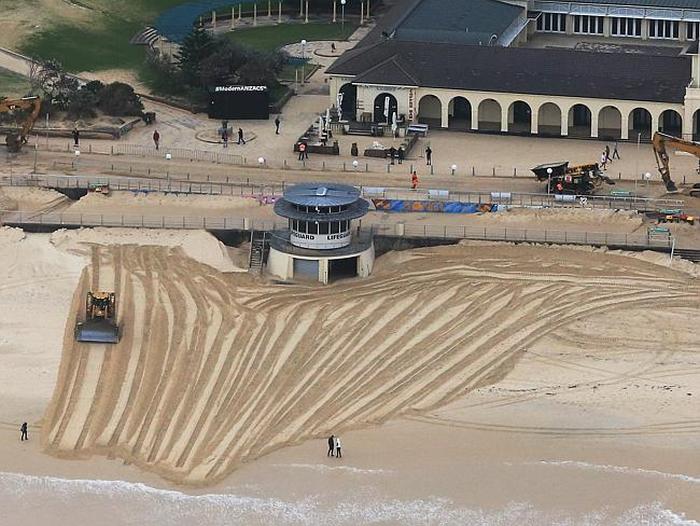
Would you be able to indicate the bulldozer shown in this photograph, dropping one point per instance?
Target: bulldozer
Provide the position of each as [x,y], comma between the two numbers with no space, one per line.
[99,325]
[561,178]
[661,142]
[25,112]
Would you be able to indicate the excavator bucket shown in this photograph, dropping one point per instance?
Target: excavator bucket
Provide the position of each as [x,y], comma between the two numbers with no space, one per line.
[97,331]
[99,325]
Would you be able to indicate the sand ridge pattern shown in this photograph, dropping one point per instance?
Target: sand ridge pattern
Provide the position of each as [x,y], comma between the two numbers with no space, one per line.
[214,370]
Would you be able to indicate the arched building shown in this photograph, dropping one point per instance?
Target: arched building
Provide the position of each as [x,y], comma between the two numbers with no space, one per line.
[448,78]
[321,243]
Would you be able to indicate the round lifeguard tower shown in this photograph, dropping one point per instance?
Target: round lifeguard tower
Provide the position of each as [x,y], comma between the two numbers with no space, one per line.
[321,242]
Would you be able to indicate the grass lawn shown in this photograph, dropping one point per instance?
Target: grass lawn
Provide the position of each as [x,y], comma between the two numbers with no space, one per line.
[103,43]
[12,85]
[270,38]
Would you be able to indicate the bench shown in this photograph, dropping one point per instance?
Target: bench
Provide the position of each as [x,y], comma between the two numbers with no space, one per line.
[421,129]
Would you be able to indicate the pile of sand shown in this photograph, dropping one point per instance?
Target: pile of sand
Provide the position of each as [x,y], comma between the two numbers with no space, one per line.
[10,235]
[196,244]
[116,201]
[567,215]
[31,198]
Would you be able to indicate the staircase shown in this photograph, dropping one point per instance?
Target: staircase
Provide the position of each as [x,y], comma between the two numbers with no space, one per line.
[689,254]
[259,246]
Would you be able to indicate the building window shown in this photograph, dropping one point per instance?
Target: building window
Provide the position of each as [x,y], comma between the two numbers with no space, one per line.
[663,29]
[323,228]
[691,30]
[626,27]
[588,25]
[335,227]
[551,23]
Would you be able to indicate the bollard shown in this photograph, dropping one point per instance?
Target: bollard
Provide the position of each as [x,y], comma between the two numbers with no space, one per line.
[684,179]
[473,171]
[388,168]
[366,167]
[619,176]
[188,176]
[112,167]
[130,170]
[89,148]
[284,164]
[431,169]
[343,165]
[410,170]
[493,171]
[112,150]
[149,170]
[323,166]
[515,172]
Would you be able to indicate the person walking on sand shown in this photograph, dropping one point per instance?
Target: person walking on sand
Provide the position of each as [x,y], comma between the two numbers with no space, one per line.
[241,140]
[23,432]
[76,137]
[616,154]
[428,156]
[331,446]
[414,180]
[338,452]
[277,125]
[156,139]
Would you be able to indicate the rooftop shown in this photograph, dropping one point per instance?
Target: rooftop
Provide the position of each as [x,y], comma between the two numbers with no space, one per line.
[321,194]
[560,72]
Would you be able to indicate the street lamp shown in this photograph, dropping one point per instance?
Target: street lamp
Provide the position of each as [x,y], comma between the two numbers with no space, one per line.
[454,168]
[549,180]
[342,16]
[303,61]
[647,178]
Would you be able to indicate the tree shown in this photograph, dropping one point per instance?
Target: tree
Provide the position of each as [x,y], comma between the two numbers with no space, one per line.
[83,104]
[57,86]
[196,47]
[119,99]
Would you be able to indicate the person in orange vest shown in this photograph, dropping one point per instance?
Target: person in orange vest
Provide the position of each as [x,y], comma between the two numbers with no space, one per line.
[302,151]
[414,180]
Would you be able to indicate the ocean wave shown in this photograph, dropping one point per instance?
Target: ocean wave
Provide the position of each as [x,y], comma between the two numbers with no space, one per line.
[116,503]
[621,469]
[347,469]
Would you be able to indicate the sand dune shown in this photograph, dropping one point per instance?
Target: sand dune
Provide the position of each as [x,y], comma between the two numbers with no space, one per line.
[214,370]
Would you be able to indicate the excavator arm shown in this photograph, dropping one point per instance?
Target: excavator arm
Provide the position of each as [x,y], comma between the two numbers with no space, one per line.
[661,142]
[31,107]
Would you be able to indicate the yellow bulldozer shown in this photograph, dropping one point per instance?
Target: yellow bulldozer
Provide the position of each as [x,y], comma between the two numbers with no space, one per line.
[100,314]
[24,113]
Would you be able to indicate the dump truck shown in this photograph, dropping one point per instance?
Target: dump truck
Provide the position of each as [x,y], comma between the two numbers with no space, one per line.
[561,178]
[100,315]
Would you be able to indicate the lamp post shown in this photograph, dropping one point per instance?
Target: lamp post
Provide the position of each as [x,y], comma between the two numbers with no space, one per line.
[454,168]
[549,180]
[303,61]
[647,178]
[342,16]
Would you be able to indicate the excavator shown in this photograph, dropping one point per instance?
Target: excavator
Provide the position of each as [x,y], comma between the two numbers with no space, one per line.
[99,325]
[25,111]
[661,142]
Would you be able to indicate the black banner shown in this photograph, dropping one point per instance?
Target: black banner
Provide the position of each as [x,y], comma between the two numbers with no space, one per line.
[239,102]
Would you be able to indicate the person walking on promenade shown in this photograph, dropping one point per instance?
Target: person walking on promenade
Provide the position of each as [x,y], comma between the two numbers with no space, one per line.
[414,180]
[241,140]
[616,154]
[76,137]
[607,154]
[302,151]
[23,432]
[338,452]
[224,137]
[156,139]
[277,125]
[604,161]
[429,156]
[331,446]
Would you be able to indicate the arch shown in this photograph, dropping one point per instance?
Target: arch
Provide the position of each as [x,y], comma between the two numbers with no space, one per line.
[549,120]
[519,117]
[609,123]
[696,126]
[579,121]
[671,122]
[459,111]
[430,111]
[349,101]
[640,124]
[385,106]
[489,115]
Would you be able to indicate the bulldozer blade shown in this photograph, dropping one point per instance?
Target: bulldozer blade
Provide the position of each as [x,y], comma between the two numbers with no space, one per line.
[97,331]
